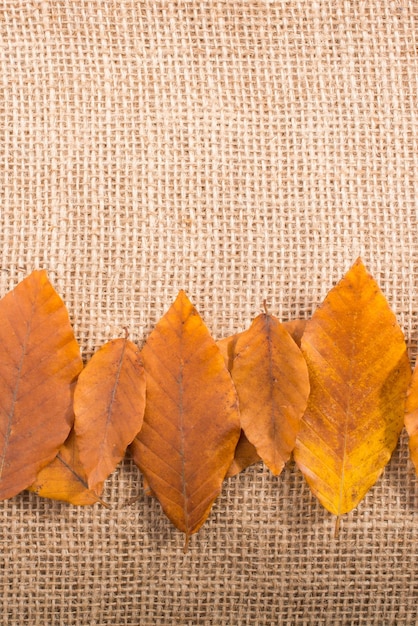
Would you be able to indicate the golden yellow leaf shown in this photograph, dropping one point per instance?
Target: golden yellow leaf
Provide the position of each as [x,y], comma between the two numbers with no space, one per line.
[109,402]
[359,373]
[40,360]
[65,478]
[191,424]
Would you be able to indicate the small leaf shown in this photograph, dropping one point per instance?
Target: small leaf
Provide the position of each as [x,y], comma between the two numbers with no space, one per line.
[271,379]
[191,423]
[65,479]
[109,402]
[246,453]
[40,360]
[359,372]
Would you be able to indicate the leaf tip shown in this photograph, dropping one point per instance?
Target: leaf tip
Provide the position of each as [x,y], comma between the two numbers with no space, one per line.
[41,277]
[359,263]
[183,299]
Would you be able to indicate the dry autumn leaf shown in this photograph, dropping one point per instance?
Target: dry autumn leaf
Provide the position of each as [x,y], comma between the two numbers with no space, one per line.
[271,379]
[359,372]
[411,417]
[246,453]
[40,360]
[109,402]
[65,478]
[191,424]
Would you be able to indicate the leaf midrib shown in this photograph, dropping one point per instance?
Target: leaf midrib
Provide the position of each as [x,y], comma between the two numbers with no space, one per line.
[109,413]
[347,408]
[181,429]
[273,408]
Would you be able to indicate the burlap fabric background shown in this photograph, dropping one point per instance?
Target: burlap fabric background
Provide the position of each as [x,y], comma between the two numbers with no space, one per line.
[241,151]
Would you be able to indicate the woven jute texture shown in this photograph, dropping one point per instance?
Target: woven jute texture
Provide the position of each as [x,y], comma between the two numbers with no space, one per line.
[241,151]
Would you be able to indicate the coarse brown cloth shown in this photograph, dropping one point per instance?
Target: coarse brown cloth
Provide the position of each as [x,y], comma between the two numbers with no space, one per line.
[241,151]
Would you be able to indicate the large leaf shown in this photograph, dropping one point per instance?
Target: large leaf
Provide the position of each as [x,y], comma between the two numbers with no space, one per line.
[191,423]
[65,478]
[359,372]
[40,359]
[109,402]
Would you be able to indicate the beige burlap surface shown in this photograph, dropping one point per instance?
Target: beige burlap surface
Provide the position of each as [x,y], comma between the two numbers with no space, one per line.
[241,151]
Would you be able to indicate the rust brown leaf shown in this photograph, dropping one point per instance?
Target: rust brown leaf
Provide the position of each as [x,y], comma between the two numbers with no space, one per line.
[191,424]
[272,382]
[359,372]
[40,360]
[109,402]
[65,478]
[246,453]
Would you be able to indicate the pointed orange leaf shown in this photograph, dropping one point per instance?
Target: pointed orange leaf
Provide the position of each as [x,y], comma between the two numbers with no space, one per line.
[257,370]
[40,359]
[191,423]
[359,372]
[411,417]
[109,402]
[65,479]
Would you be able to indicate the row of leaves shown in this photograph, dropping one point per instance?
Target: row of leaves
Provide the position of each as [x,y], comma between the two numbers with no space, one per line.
[330,390]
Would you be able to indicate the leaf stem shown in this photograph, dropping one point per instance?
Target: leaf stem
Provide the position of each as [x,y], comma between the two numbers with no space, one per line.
[337,527]
[186,543]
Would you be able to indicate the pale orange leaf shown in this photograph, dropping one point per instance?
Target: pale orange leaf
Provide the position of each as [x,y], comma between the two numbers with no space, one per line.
[40,360]
[271,379]
[109,402]
[246,453]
